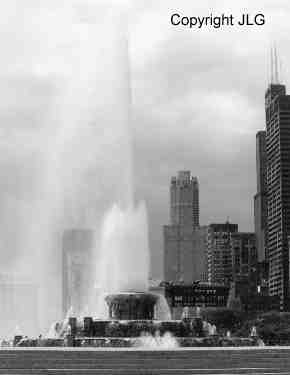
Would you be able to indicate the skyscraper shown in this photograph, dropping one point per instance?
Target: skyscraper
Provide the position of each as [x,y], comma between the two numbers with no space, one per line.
[277,106]
[184,240]
[260,199]
[184,200]
[184,253]
[219,253]
[244,254]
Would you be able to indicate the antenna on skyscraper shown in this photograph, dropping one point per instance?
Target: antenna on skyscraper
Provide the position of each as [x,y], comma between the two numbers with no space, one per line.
[271,66]
[276,65]
[280,69]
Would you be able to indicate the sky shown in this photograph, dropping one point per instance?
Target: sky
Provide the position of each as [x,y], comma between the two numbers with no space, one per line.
[197,101]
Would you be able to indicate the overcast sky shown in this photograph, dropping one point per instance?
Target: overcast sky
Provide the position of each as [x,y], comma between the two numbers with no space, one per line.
[198,101]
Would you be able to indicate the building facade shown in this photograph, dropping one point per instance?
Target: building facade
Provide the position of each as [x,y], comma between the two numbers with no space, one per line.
[184,200]
[277,106]
[244,254]
[78,246]
[179,296]
[260,199]
[219,253]
[244,295]
[184,253]
[184,239]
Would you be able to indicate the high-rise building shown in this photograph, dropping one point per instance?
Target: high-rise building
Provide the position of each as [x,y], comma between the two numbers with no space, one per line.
[219,253]
[277,106]
[248,289]
[260,199]
[184,253]
[184,240]
[184,200]
[244,254]
[77,246]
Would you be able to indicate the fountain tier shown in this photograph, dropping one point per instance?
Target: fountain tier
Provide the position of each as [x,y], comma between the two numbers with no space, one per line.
[131,306]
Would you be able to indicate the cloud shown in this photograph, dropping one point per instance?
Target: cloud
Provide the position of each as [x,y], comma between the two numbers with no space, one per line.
[198,100]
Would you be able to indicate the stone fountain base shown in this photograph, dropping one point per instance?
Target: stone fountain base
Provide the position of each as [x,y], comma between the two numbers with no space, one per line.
[131,323]
[131,306]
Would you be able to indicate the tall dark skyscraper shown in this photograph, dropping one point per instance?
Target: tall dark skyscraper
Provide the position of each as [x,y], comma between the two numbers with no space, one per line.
[219,252]
[260,199]
[184,200]
[277,105]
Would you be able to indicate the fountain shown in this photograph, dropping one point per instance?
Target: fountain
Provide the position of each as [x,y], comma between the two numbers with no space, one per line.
[119,311]
[122,262]
[167,341]
[253,331]
[131,306]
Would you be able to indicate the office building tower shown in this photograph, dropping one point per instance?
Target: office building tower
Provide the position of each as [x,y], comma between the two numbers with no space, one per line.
[219,253]
[184,240]
[244,254]
[260,199]
[184,254]
[248,289]
[184,200]
[277,106]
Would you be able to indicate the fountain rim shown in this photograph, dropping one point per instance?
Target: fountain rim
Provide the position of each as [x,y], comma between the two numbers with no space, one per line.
[203,348]
[124,297]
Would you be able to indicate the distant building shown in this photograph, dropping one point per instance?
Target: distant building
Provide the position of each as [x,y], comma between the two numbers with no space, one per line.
[184,200]
[250,299]
[219,252]
[194,295]
[260,199]
[184,240]
[78,245]
[249,291]
[277,105]
[19,301]
[244,254]
[184,254]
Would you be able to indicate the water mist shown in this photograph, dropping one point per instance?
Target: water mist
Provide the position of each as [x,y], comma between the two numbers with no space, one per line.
[84,176]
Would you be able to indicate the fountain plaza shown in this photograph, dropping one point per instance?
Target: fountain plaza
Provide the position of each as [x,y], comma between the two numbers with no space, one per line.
[88,182]
[131,341]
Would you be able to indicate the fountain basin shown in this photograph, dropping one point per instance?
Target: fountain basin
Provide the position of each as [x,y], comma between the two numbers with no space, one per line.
[133,342]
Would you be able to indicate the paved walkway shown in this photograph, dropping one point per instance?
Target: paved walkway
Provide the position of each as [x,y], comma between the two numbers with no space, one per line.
[201,361]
